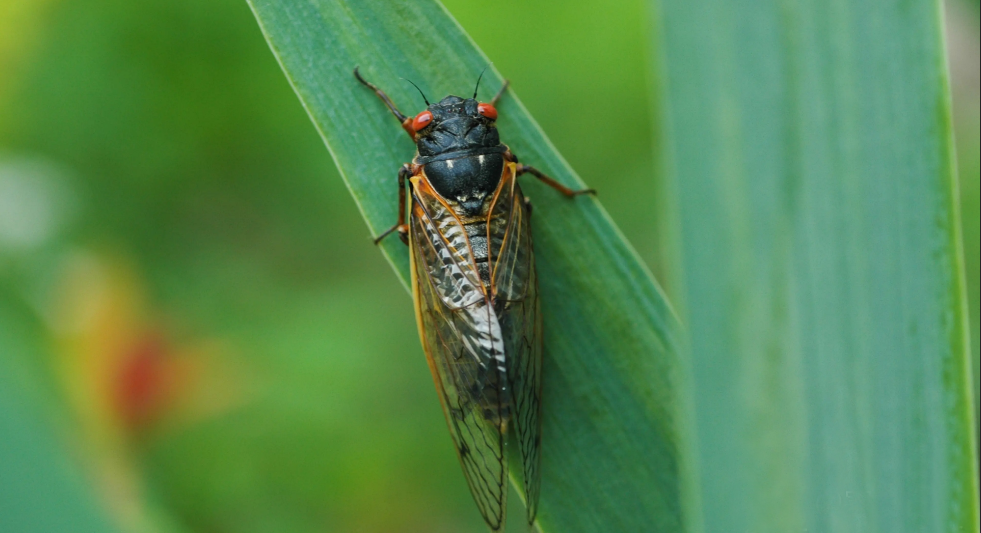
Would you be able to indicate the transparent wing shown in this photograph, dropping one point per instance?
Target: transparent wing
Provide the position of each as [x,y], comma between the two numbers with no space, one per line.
[509,235]
[514,286]
[463,342]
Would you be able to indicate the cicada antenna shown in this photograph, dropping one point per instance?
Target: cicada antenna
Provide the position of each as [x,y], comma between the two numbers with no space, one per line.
[424,99]
[478,80]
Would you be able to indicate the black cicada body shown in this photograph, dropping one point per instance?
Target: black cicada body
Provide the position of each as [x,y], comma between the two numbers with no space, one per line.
[475,290]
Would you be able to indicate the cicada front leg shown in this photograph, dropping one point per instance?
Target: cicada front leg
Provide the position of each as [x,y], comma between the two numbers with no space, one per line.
[500,92]
[401,227]
[404,120]
[522,169]
[545,178]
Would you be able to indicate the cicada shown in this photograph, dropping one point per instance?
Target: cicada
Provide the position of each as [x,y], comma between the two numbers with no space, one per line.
[475,289]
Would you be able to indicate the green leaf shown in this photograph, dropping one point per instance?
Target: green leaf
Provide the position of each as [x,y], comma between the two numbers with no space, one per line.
[821,264]
[41,487]
[614,385]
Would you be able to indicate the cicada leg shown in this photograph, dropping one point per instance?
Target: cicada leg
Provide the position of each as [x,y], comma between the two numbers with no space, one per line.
[401,227]
[500,92]
[406,121]
[522,169]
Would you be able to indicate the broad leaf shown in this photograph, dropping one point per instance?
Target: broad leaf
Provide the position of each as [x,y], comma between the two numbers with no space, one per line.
[41,488]
[821,268]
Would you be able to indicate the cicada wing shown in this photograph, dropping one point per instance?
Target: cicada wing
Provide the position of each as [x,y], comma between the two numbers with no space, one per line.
[509,238]
[462,339]
[515,287]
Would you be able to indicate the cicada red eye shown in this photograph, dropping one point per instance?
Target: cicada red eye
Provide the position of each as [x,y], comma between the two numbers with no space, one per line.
[487,110]
[422,120]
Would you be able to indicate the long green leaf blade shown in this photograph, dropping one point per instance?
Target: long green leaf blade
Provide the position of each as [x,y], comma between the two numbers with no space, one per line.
[614,396]
[42,489]
[812,163]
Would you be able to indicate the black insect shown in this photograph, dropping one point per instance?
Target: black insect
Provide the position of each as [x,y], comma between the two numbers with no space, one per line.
[475,289]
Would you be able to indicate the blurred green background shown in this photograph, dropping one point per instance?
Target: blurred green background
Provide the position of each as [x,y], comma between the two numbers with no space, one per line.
[196,333]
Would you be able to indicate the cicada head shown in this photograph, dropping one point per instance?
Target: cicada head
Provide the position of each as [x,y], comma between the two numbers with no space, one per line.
[455,124]
[459,147]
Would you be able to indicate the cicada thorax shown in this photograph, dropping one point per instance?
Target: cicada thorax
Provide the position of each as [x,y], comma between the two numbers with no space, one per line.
[473,193]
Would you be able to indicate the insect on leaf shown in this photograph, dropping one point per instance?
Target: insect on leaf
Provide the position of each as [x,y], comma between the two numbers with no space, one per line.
[613,383]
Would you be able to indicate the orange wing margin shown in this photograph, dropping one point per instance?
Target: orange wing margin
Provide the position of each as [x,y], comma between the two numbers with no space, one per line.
[483,343]
[462,339]
[515,293]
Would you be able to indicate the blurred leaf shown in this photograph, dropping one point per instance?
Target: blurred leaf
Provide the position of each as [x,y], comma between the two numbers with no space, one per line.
[41,489]
[821,265]
[614,387]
